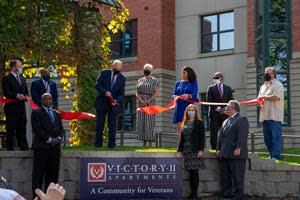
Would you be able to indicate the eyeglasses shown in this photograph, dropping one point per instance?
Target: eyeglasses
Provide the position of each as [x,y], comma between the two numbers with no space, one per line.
[216,78]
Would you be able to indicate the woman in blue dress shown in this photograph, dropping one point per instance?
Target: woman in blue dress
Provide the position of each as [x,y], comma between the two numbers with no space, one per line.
[187,88]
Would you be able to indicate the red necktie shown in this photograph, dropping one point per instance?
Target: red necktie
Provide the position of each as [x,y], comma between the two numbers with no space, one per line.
[220,90]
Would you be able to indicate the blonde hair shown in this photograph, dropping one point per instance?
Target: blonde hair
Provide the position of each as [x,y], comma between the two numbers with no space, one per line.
[186,116]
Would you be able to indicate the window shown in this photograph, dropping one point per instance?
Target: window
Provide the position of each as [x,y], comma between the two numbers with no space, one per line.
[217,32]
[127,119]
[124,44]
[273,44]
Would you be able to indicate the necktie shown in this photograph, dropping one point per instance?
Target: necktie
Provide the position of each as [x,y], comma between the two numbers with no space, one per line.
[50,115]
[112,81]
[228,122]
[19,79]
[220,90]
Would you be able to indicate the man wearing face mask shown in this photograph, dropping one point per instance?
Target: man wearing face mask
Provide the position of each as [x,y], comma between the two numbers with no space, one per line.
[14,87]
[110,85]
[217,93]
[272,112]
[44,85]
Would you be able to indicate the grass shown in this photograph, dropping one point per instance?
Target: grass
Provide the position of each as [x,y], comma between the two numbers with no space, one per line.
[120,148]
[292,160]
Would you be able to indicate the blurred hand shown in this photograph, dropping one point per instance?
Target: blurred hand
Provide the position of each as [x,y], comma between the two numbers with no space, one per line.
[179,154]
[237,152]
[114,103]
[185,96]
[21,97]
[200,154]
[54,192]
[108,94]
[144,103]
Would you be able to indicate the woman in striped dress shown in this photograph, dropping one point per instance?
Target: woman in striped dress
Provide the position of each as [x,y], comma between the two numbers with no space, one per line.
[147,90]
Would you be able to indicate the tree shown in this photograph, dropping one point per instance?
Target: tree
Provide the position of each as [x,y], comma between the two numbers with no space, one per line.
[72,36]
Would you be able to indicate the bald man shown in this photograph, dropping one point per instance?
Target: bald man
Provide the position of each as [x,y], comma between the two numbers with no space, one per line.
[48,132]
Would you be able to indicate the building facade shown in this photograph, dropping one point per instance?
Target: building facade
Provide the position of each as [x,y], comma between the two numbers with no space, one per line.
[238,38]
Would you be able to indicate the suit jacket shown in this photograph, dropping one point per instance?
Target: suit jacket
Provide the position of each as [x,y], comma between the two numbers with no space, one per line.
[10,88]
[103,84]
[198,137]
[213,95]
[234,136]
[38,89]
[43,128]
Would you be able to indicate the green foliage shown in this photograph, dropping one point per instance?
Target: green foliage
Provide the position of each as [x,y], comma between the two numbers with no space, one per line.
[72,35]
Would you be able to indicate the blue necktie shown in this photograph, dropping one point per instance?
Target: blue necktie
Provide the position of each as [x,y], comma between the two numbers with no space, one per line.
[112,82]
[50,115]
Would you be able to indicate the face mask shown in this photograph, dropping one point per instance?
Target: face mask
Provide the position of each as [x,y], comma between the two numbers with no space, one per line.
[147,72]
[191,114]
[19,71]
[116,71]
[46,78]
[217,81]
[267,77]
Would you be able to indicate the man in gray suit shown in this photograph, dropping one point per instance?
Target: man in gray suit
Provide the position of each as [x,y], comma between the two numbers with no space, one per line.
[233,151]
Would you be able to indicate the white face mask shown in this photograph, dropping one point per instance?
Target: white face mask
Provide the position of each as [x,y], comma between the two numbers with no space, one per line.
[217,81]
[191,114]
[19,71]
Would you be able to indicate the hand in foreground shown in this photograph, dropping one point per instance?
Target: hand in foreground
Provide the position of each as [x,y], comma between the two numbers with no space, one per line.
[54,192]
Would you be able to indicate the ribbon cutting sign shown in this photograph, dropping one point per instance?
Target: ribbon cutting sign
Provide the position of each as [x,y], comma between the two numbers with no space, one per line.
[151,110]
[64,115]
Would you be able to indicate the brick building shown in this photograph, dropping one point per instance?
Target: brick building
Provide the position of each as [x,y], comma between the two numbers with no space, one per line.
[238,38]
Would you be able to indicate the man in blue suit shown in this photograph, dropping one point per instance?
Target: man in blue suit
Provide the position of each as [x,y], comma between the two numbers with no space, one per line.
[110,85]
[44,85]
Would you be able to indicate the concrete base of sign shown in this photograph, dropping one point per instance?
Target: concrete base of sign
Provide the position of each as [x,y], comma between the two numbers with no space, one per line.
[263,177]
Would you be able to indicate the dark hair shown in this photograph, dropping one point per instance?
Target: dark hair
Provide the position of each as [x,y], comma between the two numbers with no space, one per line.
[13,63]
[191,74]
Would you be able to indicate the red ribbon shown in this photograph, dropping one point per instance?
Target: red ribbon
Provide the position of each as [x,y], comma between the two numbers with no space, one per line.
[151,110]
[3,101]
[64,115]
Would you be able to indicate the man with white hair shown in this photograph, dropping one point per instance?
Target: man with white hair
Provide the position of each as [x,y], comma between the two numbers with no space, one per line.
[272,112]
[110,85]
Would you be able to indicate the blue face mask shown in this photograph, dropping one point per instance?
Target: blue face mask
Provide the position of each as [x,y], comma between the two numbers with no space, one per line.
[46,78]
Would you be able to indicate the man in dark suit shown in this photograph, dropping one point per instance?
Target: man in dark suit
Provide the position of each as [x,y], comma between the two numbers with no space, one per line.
[14,87]
[233,150]
[111,87]
[48,131]
[218,93]
[44,85]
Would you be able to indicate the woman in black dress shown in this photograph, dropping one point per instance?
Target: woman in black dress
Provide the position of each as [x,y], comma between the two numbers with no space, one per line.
[191,146]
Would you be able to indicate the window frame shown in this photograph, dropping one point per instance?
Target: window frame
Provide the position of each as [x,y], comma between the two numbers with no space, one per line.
[218,32]
[123,40]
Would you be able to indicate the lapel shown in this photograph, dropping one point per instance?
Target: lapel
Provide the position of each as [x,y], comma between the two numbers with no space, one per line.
[47,117]
[217,91]
[43,86]
[116,82]
[15,81]
[233,120]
